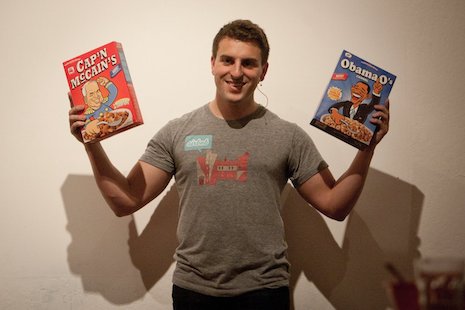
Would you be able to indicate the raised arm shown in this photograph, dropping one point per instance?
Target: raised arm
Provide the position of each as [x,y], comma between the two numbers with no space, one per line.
[334,198]
[124,195]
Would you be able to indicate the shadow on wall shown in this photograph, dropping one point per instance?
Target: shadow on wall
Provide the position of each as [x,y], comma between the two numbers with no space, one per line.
[382,227]
[114,261]
[107,252]
[152,251]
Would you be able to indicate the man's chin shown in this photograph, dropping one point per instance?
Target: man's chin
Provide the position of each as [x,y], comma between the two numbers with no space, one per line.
[233,97]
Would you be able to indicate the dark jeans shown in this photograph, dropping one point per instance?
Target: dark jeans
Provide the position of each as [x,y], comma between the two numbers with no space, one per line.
[264,299]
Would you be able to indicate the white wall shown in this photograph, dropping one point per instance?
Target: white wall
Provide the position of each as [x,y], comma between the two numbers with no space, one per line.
[61,248]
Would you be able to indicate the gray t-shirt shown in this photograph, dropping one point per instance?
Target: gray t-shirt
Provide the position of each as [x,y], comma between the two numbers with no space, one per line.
[230,175]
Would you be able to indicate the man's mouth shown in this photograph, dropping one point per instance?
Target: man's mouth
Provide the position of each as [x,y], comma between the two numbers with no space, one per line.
[235,84]
[356,97]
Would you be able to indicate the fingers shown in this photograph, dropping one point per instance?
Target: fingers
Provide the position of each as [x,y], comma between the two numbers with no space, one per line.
[336,116]
[377,86]
[76,109]
[382,113]
[102,80]
[75,115]
[76,120]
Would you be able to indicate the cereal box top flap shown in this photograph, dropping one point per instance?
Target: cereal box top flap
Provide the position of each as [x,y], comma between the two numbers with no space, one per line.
[77,58]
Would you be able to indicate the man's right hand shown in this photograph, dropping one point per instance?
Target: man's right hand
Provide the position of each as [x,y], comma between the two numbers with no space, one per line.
[336,116]
[76,119]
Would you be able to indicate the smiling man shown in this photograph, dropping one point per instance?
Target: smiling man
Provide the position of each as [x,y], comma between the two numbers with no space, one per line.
[238,66]
[355,108]
[231,159]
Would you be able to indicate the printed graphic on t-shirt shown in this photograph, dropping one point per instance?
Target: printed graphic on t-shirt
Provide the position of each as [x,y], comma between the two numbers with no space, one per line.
[210,169]
[198,142]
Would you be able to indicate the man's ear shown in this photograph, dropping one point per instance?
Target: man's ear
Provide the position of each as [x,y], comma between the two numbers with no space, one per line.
[265,69]
[212,62]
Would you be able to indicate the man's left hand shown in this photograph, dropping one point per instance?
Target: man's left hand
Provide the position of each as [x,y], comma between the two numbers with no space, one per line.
[381,119]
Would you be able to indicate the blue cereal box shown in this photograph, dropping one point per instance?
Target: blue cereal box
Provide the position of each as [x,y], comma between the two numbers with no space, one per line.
[356,86]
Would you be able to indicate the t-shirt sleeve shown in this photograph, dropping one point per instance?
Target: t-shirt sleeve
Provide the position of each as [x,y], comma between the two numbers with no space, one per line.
[305,160]
[159,151]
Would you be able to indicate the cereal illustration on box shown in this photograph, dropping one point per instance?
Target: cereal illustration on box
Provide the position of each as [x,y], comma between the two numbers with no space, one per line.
[348,102]
[100,80]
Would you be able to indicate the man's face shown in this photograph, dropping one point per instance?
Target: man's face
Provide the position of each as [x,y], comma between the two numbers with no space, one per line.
[94,96]
[237,69]
[359,93]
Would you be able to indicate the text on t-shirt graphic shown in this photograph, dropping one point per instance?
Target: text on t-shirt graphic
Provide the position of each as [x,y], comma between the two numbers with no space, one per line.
[210,169]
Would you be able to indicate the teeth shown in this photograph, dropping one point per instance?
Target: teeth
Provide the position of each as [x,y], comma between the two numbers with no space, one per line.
[236,83]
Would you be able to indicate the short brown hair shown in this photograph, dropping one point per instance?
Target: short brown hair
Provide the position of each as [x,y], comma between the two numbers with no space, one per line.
[245,31]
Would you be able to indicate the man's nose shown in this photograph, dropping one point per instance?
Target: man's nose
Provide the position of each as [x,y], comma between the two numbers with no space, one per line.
[236,70]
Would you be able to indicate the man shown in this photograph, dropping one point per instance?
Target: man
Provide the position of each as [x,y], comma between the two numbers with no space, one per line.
[231,158]
[354,108]
[96,103]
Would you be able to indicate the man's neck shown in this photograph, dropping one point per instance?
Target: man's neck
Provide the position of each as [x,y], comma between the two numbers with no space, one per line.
[355,104]
[232,110]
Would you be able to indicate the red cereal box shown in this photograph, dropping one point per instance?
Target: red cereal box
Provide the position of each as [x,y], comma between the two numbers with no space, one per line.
[100,80]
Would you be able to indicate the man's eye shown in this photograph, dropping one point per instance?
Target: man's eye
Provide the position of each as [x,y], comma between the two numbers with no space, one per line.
[249,63]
